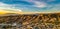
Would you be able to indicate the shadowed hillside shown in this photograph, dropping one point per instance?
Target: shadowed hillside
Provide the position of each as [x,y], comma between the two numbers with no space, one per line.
[30,21]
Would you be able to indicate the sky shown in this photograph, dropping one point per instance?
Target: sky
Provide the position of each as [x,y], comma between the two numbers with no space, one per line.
[30,5]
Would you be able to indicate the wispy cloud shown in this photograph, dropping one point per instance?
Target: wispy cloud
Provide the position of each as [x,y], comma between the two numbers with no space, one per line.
[8,7]
[29,5]
[39,4]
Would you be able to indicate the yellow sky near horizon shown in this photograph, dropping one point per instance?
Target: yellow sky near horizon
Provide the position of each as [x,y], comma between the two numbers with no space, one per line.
[4,12]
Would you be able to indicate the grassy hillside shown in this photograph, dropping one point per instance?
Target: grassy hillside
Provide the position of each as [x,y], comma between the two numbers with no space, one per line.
[29,21]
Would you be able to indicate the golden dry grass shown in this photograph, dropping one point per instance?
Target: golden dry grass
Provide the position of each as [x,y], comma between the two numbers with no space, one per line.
[37,20]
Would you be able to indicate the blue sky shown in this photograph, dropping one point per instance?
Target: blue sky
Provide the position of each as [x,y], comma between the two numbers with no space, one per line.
[30,5]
